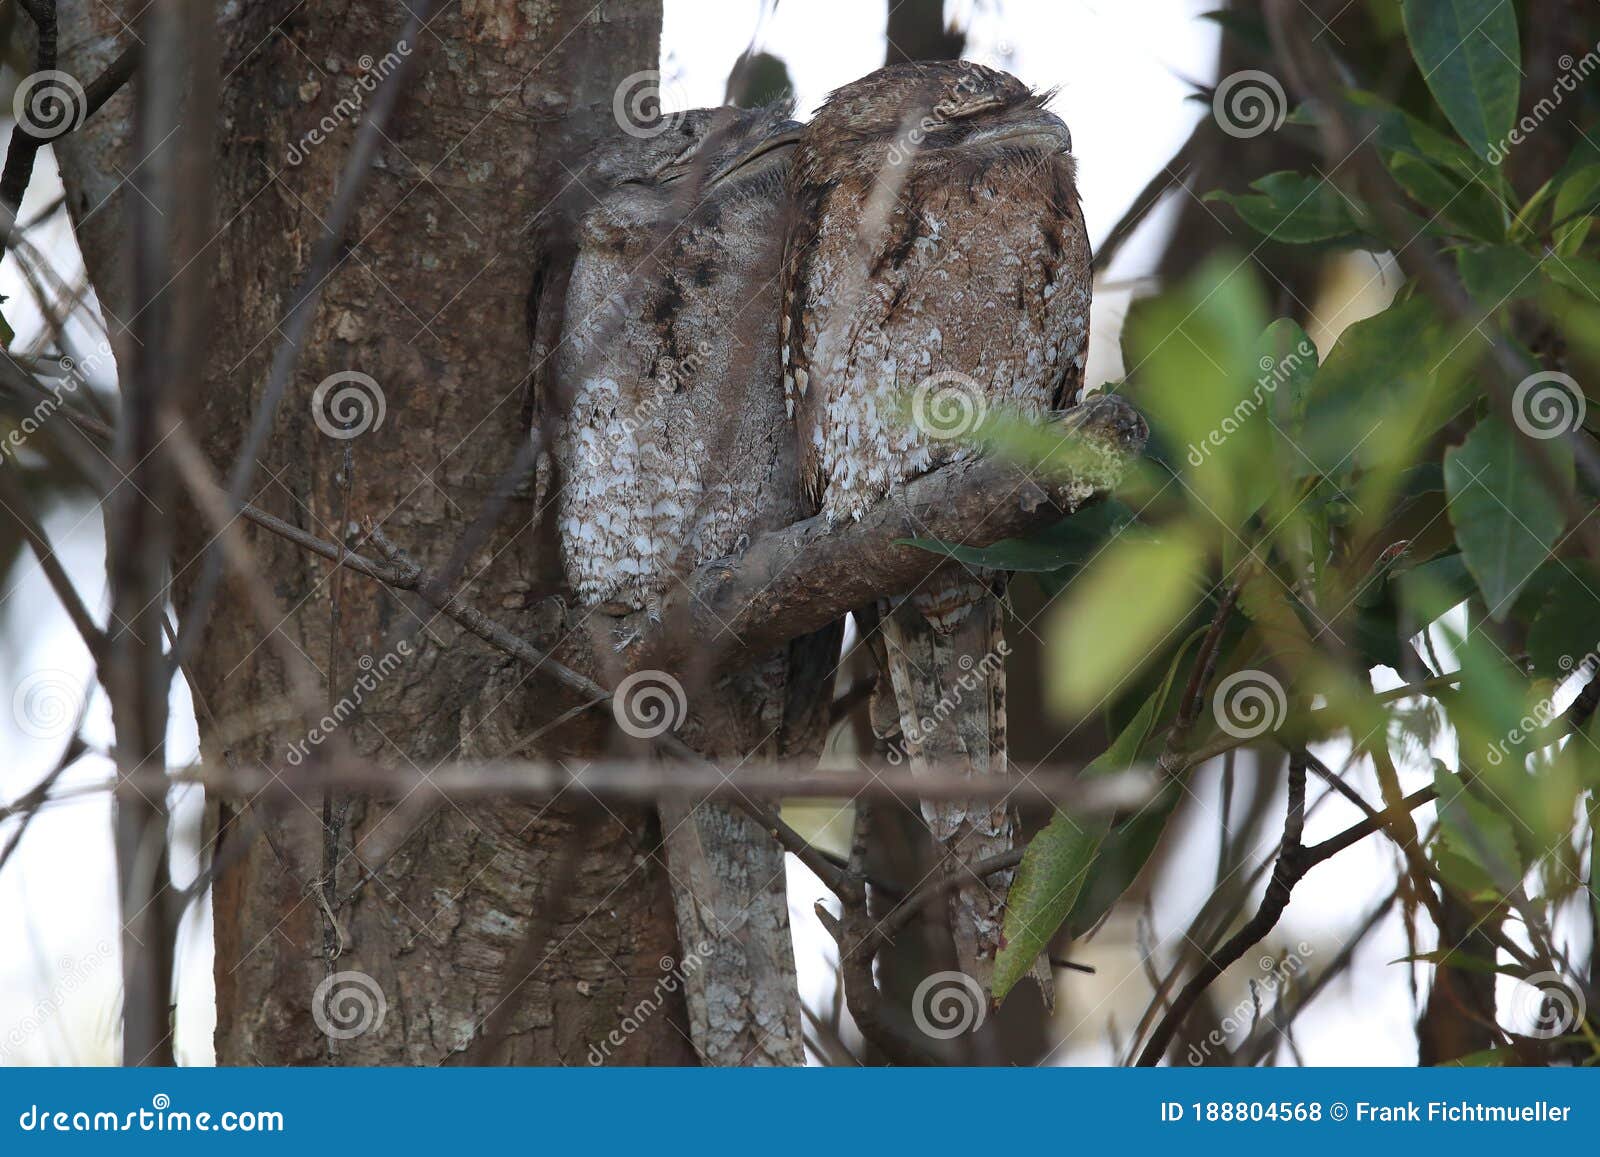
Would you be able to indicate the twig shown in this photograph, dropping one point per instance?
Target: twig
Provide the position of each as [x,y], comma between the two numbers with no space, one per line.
[1284,877]
[15,503]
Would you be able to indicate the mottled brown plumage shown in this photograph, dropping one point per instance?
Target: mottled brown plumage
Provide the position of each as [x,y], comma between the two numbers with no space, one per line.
[938,269]
[671,447]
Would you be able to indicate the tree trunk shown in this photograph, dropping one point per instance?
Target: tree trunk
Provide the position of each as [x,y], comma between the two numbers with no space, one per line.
[428,299]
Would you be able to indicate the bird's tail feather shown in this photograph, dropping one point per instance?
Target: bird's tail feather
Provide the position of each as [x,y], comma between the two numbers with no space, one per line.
[946,658]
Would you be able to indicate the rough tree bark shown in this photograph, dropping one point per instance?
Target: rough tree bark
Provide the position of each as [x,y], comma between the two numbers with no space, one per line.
[428,298]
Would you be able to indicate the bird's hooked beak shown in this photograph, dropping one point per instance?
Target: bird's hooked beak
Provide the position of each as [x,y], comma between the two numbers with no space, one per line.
[1029,128]
[762,148]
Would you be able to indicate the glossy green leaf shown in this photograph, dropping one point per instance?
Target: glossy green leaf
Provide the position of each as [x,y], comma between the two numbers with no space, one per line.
[1296,209]
[1469,53]
[1504,518]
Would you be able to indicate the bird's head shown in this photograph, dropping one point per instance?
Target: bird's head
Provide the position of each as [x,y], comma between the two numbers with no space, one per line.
[924,112]
[700,146]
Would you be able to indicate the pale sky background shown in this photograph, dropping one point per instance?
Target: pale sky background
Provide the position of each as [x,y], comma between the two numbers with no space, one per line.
[1122,70]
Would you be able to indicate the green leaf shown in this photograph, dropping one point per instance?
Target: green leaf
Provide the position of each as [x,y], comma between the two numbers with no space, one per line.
[1199,383]
[1497,275]
[1121,611]
[1295,208]
[1477,849]
[1471,57]
[1566,627]
[1504,519]
[1461,201]
[1431,588]
[1385,387]
[1071,542]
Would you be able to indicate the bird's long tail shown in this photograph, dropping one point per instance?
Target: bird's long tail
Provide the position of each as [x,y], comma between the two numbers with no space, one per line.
[737,965]
[728,871]
[945,651]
